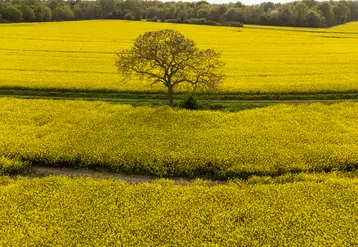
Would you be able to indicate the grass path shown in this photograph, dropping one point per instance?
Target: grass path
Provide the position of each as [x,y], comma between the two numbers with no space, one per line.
[227,102]
[41,171]
[45,171]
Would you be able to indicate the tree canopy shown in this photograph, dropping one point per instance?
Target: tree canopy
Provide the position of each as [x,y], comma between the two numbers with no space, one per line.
[306,13]
[168,58]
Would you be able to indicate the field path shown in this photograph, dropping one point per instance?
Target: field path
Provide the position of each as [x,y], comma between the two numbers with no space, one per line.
[138,99]
[43,171]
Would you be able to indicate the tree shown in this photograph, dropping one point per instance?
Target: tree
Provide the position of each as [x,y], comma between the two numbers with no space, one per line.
[92,11]
[238,4]
[11,13]
[203,13]
[43,13]
[312,18]
[272,17]
[232,14]
[28,13]
[341,13]
[167,57]
[116,14]
[77,10]
[63,13]
[128,16]
[53,4]
[310,3]
[30,2]
[353,6]
[107,6]
[297,13]
[182,15]
[130,4]
[217,13]
[327,12]
[138,13]
[170,13]
[151,12]
[267,6]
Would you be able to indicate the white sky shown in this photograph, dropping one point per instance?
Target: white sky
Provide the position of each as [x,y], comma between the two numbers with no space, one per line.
[249,2]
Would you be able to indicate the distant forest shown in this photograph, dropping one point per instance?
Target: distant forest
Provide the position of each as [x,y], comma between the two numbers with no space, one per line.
[307,13]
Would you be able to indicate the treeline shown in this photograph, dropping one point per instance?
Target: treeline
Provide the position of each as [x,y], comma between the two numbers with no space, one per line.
[306,13]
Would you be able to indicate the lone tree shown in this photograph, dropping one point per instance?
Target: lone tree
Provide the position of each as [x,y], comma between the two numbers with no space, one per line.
[167,57]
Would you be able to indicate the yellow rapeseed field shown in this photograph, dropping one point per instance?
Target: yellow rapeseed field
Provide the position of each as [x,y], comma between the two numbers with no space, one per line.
[10,166]
[167,142]
[58,211]
[80,55]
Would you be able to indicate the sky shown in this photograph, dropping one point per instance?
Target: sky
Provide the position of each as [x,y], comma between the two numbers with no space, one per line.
[249,2]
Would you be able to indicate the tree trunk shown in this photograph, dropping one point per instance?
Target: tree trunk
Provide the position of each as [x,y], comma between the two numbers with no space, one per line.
[170,95]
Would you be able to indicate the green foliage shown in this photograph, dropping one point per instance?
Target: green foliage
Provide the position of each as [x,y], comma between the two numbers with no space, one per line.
[327,11]
[211,23]
[129,16]
[341,13]
[297,13]
[78,12]
[138,14]
[198,21]
[232,24]
[320,14]
[28,13]
[92,11]
[116,14]
[172,21]
[190,103]
[11,13]
[43,13]
[233,15]
[63,13]
[154,19]
[92,212]
[312,18]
